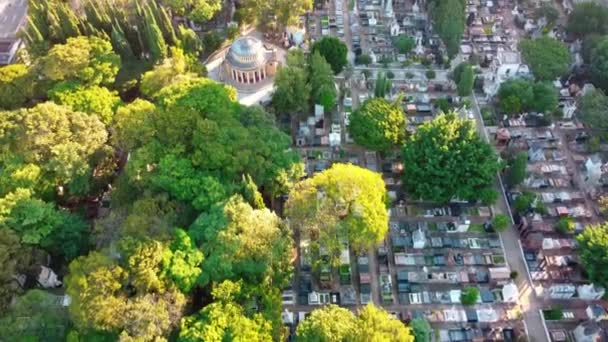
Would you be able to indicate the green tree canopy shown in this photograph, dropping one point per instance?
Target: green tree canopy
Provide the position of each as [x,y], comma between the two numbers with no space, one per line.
[588,17]
[329,324]
[378,124]
[518,95]
[321,80]
[345,202]
[447,159]
[469,295]
[465,81]
[17,84]
[243,243]
[130,297]
[404,44]
[516,173]
[89,60]
[225,319]
[421,329]
[599,64]
[15,259]
[547,57]
[50,145]
[333,50]
[593,110]
[449,19]
[292,93]
[333,323]
[95,100]
[270,14]
[199,11]
[593,252]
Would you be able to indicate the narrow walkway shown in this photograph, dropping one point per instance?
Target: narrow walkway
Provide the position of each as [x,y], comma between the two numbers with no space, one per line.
[528,301]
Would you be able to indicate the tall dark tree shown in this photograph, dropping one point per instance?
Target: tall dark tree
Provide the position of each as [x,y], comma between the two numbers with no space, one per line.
[333,50]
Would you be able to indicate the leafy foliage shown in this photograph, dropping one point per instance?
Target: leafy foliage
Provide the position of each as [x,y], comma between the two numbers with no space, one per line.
[465,81]
[321,78]
[17,84]
[421,329]
[243,243]
[547,57]
[516,173]
[593,110]
[280,13]
[92,100]
[565,225]
[447,159]
[588,17]
[500,222]
[404,44]
[15,259]
[519,95]
[88,60]
[345,202]
[378,125]
[599,64]
[449,19]
[333,50]
[469,296]
[593,250]
[198,10]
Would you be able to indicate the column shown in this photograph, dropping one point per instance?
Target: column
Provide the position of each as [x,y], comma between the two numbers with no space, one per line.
[250,76]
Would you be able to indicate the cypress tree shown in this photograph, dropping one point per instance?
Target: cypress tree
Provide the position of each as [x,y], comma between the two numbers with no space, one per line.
[166,26]
[37,45]
[68,20]
[156,42]
[55,30]
[120,43]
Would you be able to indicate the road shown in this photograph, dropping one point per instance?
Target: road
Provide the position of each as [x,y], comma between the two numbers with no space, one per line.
[528,301]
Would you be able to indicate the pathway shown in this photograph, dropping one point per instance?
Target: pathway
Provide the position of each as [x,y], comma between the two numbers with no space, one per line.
[528,301]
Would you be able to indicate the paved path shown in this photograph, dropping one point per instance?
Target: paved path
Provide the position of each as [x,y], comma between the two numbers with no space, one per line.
[528,301]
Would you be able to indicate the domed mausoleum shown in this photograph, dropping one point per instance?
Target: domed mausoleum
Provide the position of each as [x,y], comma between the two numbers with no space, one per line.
[248,62]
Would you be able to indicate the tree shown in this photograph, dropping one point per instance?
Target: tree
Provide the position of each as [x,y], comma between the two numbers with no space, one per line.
[516,173]
[545,98]
[330,324]
[449,19]
[430,74]
[121,44]
[593,252]
[292,93]
[515,96]
[92,100]
[171,70]
[588,17]
[333,50]
[321,80]
[72,145]
[593,110]
[363,59]
[378,125]
[589,43]
[131,124]
[17,85]
[603,205]
[447,159]
[280,13]
[404,44]
[345,202]
[181,262]
[528,201]
[547,57]
[466,80]
[15,258]
[565,225]
[89,60]
[549,12]
[155,40]
[421,329]
[500,222]
[46,319]
[375,324]
[599,64]
[243,243]
[145,307]
[383,85]
[225,320]
[469,295]
[199,11]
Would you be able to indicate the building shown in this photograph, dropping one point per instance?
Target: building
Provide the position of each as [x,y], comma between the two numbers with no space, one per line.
[506,66]
[248,62]
[13,16]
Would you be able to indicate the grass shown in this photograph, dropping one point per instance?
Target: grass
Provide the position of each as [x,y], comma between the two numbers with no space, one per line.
[433,227]
[476,228]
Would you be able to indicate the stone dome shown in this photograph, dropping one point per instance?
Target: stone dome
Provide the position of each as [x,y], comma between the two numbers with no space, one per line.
[246,53]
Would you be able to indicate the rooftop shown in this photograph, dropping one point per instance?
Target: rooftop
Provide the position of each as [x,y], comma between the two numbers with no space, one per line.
[12,16]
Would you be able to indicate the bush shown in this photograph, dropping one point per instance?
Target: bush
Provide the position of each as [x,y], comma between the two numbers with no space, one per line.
[553,314]
[469,295]
[363,59]
[565,225]
[500,222]
[430,74]
[426,62]
[513,275]
[390,75]
[409,75]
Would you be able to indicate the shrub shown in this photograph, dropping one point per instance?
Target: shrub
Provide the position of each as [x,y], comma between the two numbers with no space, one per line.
[430,74]
[409,75]
[553,314]
[513,275]
[500,222]
[565,225]
[469,295]
[390,75]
